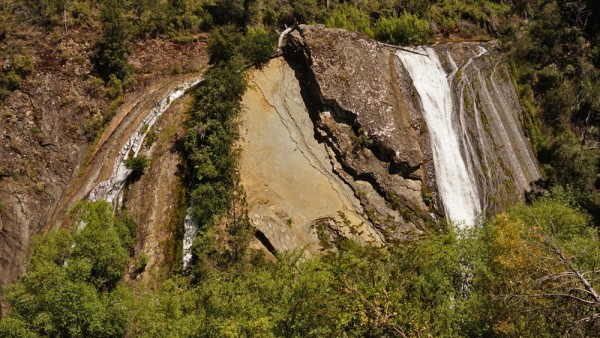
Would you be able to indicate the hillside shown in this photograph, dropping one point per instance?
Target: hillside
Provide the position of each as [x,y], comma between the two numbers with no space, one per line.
[393,168]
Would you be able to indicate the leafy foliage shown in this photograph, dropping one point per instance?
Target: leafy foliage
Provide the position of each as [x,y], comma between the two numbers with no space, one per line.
[522,274]
[210,138]
[73,285]
[526,281]
[352,19]
[19,66]
[258,46]
[404,29]
[112,48]
[554,68]
[137,165]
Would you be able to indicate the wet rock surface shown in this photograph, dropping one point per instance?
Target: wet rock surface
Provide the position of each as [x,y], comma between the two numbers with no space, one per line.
[156,200]
[488,118]
[369,114]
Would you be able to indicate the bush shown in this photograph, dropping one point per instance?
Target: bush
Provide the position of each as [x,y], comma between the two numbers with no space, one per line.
[10,81]
[259,46]
[81,12]
[72,287]
[141,262]
[224,43]
[227,11]
[137,165]
[115,87]
[352,19]
[110,56]
[210,139]
[404,29]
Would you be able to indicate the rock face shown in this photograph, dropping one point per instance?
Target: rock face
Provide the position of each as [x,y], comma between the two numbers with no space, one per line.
[487,116]
[366,111]
[46,128]
[156,200]
[294,198]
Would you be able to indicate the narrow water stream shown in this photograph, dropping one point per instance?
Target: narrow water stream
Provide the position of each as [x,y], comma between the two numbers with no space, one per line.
[110,190]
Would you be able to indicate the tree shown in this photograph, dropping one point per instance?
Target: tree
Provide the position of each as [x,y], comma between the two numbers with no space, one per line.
[351,18]
[258,46]
[110,57]
[404,29]
[137,165]
[535,272]
[72,285]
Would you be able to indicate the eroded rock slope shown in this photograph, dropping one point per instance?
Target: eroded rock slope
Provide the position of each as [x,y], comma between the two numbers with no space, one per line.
[366,112]
[294,197]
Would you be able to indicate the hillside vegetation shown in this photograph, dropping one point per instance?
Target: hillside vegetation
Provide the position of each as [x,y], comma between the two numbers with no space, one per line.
[529,272]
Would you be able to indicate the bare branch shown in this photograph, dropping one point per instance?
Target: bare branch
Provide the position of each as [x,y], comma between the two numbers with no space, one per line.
[566,295]
[283,35]
[578,274]
[588,318]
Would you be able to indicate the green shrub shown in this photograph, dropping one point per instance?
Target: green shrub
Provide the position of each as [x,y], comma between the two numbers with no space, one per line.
[404,29]
[210,140]
[22,64]
[141,262]
[126,228]
[115,87]
[224,43]
[81,12]
[137,165]
[10,81]
[72,287]
[110,55]
[351,18]
[227,11]
[258,46]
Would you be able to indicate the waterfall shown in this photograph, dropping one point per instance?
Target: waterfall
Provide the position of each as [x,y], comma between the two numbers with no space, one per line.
[110,189]
[190,226]
[456,183]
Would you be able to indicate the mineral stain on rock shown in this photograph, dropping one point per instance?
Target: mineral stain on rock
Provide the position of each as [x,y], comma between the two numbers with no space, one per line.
[286,173]
[340,125]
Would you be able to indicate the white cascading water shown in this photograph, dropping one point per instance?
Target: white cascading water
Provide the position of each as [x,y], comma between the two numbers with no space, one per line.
[190,226]
[456,185]
[110,189]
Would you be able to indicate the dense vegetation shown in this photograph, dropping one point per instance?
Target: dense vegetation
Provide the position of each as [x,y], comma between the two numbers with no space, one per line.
[529,272]
[557,68]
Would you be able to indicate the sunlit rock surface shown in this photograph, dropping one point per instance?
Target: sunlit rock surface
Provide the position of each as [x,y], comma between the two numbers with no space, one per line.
[372,105]
[287,174]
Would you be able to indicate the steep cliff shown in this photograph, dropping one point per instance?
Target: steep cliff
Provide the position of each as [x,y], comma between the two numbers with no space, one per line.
[487,116]
[46,129]
[294,197]
[369,110]
[366,113]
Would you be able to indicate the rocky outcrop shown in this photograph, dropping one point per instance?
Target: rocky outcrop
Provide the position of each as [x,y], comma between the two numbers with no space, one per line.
[488,117]
[156,200]
[365,110]
[294,197]
[46,133]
